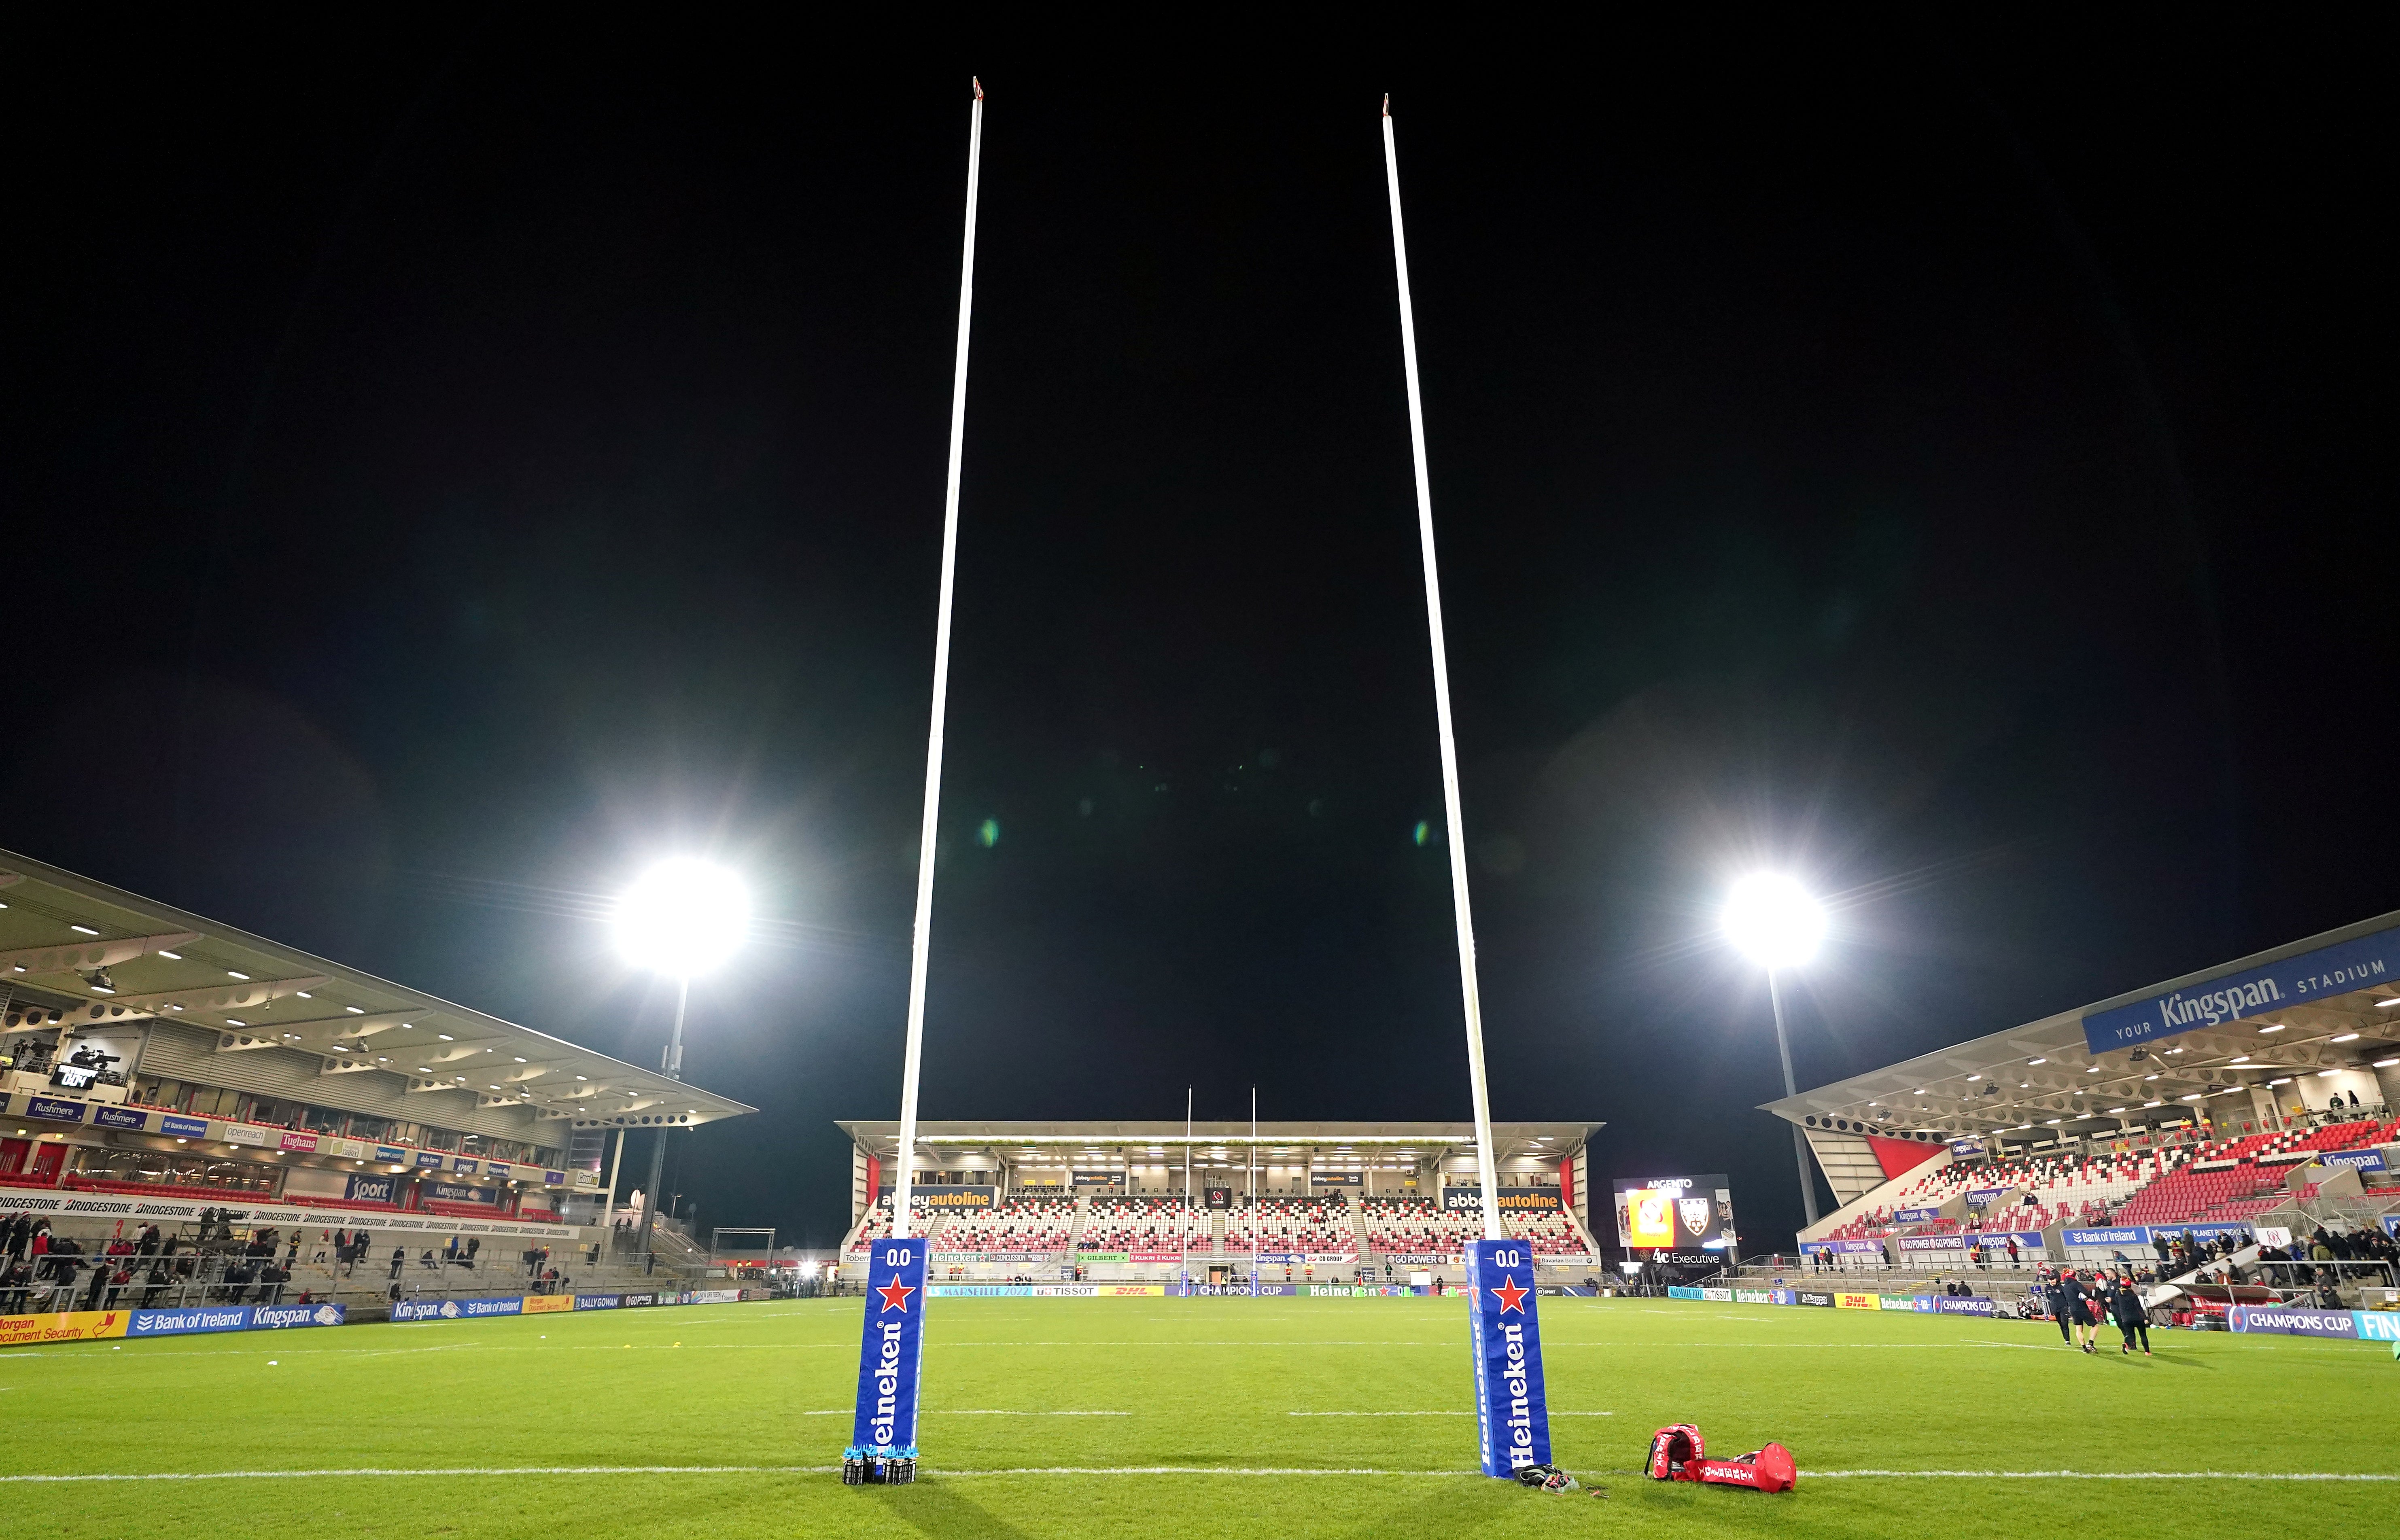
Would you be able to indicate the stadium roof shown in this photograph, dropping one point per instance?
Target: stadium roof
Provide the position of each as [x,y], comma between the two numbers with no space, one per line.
[80,953]
[2046,1073]
[1510,1140]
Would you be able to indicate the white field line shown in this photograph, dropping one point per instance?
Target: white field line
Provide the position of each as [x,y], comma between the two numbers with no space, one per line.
[1554,1411]
[454,1471]
[965,1412]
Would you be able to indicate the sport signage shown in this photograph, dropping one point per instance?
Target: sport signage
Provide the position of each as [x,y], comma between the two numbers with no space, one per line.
[55,1109]
[1673,1213]
[1810,1296]
[118,1117]
[185,1128]
[2357,1160]
[1856,1301]
[72,1326]
[1964,1304]
[304,1143]
[428,1160]
[449,1192]
[1843,1248]
[1470,1199]
[2333,970]
[1341,1178]
[2293,1323]
[1915,1216]
[942,1199]
[187,1320]
[362,1189]
[891,1346]
[1512,1414]
[456,1310]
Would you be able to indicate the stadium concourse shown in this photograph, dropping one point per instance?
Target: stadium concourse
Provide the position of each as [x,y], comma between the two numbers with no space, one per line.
[1153,1204]
[194,1116]
[2230,1134]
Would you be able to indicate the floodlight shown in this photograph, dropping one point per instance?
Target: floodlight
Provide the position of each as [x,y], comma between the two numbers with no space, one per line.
[1773,921]
[683,918]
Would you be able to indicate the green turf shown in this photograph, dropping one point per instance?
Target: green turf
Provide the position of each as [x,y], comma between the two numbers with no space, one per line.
[1201,1382]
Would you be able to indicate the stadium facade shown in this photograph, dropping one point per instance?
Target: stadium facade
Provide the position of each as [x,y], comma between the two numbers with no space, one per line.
[2259,1088]
[155,1062]
[1154,1200]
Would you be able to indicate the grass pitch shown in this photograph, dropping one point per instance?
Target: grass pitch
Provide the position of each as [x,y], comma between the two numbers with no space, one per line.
[1188,1417]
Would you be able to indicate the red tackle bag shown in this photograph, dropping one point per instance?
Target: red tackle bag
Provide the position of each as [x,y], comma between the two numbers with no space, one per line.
[1770,1469]
[1675,1453]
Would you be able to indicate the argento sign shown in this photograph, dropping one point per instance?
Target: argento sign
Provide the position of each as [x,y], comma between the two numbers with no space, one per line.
[2335,970]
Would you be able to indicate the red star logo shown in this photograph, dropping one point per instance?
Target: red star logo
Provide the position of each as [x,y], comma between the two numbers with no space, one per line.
[896,1295]
[1511,1296]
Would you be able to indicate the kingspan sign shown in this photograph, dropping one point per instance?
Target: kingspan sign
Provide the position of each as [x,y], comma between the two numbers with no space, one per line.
[2335,970]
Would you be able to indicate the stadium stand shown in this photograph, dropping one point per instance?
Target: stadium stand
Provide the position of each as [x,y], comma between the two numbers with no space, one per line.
[1289,1224]
[2242,1178]
[1547,1231]
[1415,1226]
[1014,1224]
[1145,1224]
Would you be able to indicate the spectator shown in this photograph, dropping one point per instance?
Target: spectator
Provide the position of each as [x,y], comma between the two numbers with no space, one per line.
[399,1260]
[155,1285]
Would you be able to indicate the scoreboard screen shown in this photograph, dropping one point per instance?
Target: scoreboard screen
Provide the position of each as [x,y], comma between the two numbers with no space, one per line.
[1675,1213]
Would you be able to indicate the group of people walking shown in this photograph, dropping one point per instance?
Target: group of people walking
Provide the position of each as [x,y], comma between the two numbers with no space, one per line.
[2081,1305]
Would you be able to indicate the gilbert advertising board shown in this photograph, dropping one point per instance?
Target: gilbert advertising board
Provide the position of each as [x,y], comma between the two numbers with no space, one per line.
[72,1326]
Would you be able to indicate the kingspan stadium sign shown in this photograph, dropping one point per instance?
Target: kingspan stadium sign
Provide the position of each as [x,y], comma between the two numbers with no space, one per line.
[2333,970]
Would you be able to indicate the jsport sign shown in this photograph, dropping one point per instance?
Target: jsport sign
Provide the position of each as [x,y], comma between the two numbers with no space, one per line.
[2333,970]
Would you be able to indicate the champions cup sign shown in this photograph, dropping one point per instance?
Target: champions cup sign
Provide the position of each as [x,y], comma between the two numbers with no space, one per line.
[1512,1413]
[885,1427]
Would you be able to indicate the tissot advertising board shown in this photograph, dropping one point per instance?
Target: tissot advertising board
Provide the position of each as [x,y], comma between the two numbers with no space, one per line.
[1675,1213]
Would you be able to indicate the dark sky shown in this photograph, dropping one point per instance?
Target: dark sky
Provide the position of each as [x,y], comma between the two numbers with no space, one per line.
[443,472]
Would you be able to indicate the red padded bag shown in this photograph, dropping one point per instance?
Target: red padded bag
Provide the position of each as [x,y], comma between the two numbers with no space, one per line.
[1770,1469]
[1675,1453]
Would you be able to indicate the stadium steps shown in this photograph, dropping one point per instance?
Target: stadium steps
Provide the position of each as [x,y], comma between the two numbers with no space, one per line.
[1082,1218]
[1358,1226]
[1877,1199]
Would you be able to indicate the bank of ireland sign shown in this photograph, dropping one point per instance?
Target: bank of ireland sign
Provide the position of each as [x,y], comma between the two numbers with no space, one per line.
[2335,970]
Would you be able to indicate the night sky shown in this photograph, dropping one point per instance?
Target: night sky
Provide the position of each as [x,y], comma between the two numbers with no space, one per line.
[443,473]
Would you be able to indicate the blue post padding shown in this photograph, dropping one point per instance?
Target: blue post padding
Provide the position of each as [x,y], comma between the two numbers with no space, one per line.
[1512,1413]
[891,1346]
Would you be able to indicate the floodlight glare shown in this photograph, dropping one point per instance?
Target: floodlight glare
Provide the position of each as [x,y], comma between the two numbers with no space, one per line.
[1773,921]
[683,918]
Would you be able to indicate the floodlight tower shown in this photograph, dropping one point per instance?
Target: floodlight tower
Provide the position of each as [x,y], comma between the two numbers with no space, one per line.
[1777,925]
[684,917]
